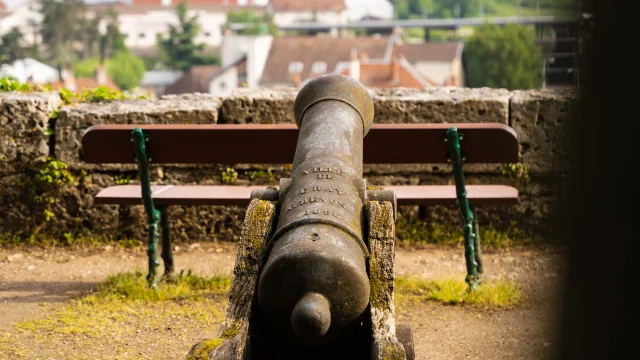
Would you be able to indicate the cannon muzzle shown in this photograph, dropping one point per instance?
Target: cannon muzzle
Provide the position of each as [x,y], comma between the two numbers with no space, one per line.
[314,286]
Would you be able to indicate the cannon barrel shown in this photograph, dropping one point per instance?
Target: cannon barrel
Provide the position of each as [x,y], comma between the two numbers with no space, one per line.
[314,286]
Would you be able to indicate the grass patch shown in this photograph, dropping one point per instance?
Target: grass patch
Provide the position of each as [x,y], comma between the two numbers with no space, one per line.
[412,231]
[67,241]
[500,294]
[133,286]
[123,317]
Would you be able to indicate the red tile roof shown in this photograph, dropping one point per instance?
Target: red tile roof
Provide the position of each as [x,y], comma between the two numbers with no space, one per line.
[85,83]
[398,73]
[433,51]
[309,49]
[189,2]
[307,5]
[194,80]
[336,50]
[156,5]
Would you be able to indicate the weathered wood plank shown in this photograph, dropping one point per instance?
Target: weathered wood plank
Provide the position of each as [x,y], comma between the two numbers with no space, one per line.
[384,344]
[233,337]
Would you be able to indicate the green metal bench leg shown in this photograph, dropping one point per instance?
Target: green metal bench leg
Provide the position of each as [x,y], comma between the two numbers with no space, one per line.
[470,235]
[476,232]
[153,214]
[167,255]
[152,252]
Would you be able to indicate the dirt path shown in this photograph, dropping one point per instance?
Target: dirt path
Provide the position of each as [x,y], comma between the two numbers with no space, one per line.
[34,282]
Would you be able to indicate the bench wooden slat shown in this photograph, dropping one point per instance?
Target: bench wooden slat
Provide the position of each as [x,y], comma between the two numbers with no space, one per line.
[239,195]
[276,144]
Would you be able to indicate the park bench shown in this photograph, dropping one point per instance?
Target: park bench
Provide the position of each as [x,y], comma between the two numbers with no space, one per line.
[276,144]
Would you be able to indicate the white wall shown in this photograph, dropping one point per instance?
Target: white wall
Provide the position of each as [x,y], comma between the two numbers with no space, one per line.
[256,48]
[142,29]
[27,18]
[23,69]
[326,17]
[437,71]
[357,9]
[224,84]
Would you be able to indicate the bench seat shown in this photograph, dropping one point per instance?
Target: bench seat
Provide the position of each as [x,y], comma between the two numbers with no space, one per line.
[234,195]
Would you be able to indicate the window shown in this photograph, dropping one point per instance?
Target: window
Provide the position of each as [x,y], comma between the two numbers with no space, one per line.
[295,66]
[223,85]
[141,35]
[319,67]
[207,34]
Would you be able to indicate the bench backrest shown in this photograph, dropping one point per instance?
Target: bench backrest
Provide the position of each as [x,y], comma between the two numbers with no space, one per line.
[276,144]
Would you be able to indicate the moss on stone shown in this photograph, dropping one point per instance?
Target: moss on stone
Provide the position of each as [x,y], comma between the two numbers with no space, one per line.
[380,228]
[204,349]
[377,289]
[392,351]
[230,331]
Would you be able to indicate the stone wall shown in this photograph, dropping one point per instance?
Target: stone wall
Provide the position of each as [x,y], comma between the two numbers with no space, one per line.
[29,205]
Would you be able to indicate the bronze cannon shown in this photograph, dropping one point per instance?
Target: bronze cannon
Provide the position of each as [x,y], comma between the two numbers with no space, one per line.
[314,286]
[314,272]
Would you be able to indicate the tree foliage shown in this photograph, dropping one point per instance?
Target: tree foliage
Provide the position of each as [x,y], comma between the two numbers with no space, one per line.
[179,49]
[503,57]
[65,23]
[112,41]
[12,46]
[254,23]
[124,68]
[408,9]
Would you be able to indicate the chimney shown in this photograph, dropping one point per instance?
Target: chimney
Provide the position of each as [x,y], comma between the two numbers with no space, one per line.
[68,80]
[354,65]
[396,35]
[395,69]
[364,56]
[297,80]
[100,75]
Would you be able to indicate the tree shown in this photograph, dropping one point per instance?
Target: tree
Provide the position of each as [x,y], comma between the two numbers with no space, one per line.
[179,49]
[408,9]
[254,23]
[113,40]
[11,46]
[125,68]
[506,57]
[64,23]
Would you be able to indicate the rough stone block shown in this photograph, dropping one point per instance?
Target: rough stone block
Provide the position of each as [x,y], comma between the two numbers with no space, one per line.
[542,119]
[385,344]
[25,203]
[24,119]
[188,223]
[233,336]
[441,105]
[261,106]
[174,109]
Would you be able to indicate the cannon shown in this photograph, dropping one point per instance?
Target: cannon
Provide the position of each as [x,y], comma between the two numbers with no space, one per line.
[314,285]
[314,270]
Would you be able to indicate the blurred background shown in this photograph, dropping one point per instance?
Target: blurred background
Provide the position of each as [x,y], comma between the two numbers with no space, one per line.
[215,46]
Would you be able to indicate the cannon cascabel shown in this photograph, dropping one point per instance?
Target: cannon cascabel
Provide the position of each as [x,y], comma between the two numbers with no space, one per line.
[314,286]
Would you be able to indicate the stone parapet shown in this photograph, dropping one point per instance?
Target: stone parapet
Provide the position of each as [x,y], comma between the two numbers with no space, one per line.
[542,120]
